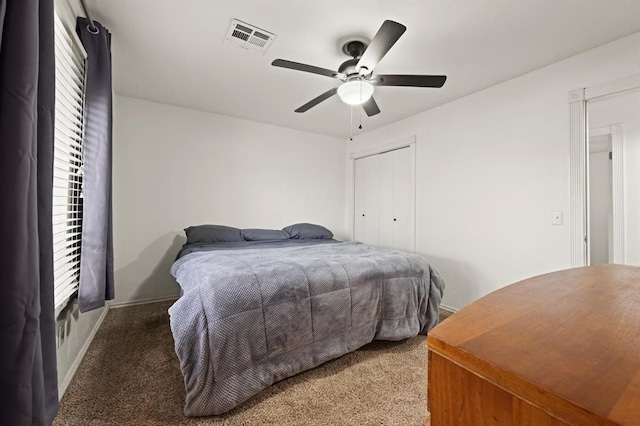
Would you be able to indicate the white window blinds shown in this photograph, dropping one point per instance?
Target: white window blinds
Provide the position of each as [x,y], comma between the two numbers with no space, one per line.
[67,167]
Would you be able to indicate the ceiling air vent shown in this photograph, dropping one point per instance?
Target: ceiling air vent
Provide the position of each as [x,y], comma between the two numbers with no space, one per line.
[249,36]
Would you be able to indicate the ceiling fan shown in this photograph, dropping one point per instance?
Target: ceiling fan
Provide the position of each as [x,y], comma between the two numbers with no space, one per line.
[357,73]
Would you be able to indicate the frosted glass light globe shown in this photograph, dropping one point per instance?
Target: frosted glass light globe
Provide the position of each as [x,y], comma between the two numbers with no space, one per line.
[355,92]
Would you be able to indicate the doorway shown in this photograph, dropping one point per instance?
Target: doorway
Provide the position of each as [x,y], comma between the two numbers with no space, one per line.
[600,198]
[605,173]
[614,178]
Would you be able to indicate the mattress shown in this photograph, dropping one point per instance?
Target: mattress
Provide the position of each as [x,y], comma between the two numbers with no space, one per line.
[249,317]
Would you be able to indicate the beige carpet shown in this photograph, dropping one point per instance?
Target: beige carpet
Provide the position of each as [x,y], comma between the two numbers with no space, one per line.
[130,376]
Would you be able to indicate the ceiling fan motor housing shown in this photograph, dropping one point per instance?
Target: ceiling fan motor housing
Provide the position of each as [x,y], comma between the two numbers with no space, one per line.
[348,67]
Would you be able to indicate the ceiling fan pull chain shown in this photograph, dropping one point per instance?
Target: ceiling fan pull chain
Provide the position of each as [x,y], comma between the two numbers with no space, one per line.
[351,125]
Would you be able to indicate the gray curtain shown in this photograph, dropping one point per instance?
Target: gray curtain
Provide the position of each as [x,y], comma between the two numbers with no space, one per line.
[28,376]
[96,259]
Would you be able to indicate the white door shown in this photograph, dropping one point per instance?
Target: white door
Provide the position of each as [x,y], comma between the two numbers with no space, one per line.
[386,163]
[384,199]
[600,204]
[404,206]
[366,198]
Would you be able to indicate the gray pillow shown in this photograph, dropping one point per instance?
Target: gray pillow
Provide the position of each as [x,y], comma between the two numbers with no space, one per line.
[264,235]
[308,231]
[207,234]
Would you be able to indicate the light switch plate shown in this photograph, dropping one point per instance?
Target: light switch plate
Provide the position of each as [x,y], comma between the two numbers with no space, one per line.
[556,218]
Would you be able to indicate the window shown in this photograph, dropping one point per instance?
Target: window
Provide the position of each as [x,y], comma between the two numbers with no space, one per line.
[67,166]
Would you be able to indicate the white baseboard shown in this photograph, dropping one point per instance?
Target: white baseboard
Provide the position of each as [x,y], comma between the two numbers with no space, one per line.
[125,303]
[448,308]
[62,386]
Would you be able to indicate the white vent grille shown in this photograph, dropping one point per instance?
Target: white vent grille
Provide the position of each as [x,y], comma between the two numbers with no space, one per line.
[249,36]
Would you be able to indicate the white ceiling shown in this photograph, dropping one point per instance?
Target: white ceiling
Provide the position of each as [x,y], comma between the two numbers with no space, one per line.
[172,51]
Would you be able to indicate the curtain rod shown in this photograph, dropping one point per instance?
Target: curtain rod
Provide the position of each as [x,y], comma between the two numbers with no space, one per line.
[92,29]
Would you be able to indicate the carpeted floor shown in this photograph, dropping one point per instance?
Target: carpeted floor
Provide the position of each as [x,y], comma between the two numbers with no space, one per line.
[131,376]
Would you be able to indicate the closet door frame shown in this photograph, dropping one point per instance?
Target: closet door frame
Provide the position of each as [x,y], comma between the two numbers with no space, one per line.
[408,142]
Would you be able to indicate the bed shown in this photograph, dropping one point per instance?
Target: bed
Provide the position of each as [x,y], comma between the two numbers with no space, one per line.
[255,311]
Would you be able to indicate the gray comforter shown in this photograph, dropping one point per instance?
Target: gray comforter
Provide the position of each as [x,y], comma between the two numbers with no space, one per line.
[251,317]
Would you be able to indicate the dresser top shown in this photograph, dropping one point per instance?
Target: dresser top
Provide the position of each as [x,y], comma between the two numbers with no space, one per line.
[568,341]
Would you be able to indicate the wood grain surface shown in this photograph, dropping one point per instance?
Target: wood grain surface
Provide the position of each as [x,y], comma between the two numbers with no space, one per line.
[566,344]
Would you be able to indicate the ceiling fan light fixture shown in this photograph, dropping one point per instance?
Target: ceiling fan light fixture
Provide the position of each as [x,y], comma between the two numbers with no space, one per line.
[355,92]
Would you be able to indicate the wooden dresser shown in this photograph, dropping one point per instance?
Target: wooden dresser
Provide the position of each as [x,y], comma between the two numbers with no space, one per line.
[561,348]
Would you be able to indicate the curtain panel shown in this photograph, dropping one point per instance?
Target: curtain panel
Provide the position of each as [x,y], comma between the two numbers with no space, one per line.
[28,376]
[96,259]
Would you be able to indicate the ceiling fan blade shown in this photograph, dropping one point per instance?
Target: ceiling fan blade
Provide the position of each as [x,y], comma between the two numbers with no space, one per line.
[409,80]
[307,68]
[315,101]
[384,39]
[371,107]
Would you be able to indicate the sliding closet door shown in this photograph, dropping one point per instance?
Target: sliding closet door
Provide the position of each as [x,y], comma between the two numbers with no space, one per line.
[404,199]
[386,225]
[367,199]
[385,199]
[397,200]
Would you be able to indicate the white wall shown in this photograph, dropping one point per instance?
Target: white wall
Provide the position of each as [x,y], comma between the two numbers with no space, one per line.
[174,167]
[624,108]
[491,169]
[75,333]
